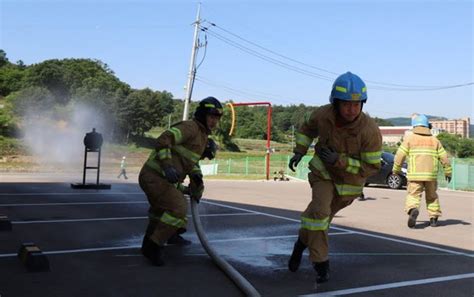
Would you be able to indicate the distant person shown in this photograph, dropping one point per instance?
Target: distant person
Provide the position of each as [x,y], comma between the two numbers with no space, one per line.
[176,155]
[423,152]
[347,151]
[123,168]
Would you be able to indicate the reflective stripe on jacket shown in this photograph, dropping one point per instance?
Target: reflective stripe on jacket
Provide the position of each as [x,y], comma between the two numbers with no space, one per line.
[181,146]
[423,153]
[359,145]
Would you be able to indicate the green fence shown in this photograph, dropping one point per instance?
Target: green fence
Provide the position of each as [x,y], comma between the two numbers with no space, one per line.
[248,165]
[463,169]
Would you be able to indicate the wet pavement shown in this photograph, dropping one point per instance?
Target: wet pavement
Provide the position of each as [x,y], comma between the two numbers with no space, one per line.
[92,240]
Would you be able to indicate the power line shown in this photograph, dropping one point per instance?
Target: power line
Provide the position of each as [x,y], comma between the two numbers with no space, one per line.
[373,84]
[247,94]
[265,57]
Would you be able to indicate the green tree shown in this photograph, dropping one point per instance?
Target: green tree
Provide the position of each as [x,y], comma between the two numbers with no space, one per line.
[382,122]
[449,142]
[3,58]
[465,148]
[8,123]
[143,109]
[32,102]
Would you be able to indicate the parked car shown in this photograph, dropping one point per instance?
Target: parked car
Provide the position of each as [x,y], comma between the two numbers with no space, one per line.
[385,176]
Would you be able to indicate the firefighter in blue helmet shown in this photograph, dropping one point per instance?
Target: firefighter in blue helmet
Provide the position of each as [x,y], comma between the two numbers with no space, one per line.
[347,151]
[425,154]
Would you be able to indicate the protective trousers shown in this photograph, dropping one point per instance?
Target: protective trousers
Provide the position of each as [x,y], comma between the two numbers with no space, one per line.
[168,207]
[415,189]
[315,220]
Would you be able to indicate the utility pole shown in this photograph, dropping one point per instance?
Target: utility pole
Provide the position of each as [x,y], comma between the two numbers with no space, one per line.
[192,66]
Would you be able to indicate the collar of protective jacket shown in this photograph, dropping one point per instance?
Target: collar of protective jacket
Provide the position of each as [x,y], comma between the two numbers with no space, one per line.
[202,127]
[422,130]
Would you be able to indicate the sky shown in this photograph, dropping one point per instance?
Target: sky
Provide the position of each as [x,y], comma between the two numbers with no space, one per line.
[284,52]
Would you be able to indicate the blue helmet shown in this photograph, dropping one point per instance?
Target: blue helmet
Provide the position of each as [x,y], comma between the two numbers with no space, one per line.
[348,87]
[420,120]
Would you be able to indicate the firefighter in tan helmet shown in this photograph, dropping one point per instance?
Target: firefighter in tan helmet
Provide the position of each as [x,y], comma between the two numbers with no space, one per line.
[347,151]
[424,153]
[176,155]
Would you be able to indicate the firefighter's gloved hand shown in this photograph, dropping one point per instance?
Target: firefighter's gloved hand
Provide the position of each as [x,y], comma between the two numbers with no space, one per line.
[196,178]
[327,155]
[171,174]
[448,178]
[294,161]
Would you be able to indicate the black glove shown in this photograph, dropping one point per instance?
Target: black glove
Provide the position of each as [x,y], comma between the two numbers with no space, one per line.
[196,191]
[294,161]
[327,155]
[196,178]
[171,174]
[448,178]
[196,186]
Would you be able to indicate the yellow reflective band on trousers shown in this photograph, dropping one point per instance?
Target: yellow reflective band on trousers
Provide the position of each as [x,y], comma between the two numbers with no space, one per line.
[348,190]
[412,202]
[153,217]
[302,139]
[184,152]
[353,166]
[152,163]
[164,154]
[371,157]
[433,206]
[314,224]
[317,164]
[169,219]
[178,137]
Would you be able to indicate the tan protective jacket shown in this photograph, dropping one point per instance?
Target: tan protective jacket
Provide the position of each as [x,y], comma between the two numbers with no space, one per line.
[424,153]
[180,146]
[359,145]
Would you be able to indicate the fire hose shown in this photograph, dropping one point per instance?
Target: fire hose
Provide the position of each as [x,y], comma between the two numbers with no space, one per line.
[243,284]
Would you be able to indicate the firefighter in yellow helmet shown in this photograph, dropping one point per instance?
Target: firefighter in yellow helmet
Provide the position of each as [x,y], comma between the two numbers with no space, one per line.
[347,151]
[176,155]
[424,153]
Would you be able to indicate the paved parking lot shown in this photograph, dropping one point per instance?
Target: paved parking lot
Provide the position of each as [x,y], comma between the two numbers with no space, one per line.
[92,241]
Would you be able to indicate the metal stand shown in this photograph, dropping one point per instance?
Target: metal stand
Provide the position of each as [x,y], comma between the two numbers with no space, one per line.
[97,185]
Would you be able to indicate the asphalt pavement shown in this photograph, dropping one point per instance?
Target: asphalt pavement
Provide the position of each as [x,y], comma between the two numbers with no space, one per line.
[92,240]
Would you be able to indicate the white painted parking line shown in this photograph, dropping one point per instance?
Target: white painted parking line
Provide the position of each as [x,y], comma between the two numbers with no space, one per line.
[71,194]
[406,242]
[392,285]
[123,218]
[72,251]
[72,203]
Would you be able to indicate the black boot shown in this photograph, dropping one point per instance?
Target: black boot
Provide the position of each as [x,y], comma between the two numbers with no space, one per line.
[322,269]
[177,239]
[145,245]
[295,259]
[434,222]
[152,251]
[412,215]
